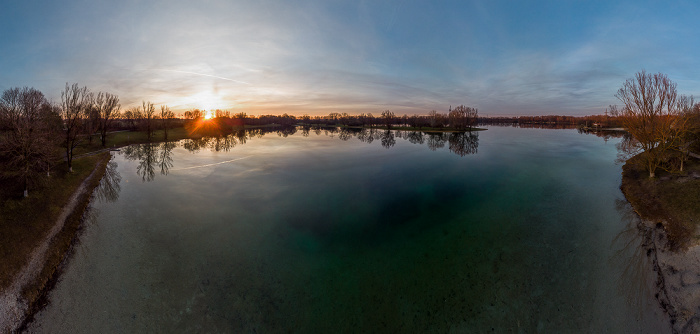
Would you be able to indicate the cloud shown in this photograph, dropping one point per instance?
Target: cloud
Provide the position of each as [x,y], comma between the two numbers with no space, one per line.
[318,57]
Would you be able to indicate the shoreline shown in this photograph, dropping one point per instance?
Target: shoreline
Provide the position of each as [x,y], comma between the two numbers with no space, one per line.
[677,278]
[26,292]
[677,282]
[674,255]
[18,301]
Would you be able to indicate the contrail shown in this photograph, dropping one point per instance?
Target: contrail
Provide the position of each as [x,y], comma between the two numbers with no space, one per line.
[207,165]
[207,75]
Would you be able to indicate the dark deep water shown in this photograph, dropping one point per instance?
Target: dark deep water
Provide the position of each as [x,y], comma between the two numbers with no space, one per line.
[505,230]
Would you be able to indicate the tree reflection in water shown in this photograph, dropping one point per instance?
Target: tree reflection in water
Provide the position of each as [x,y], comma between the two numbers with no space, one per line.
[415,137]
[241,136]
[146,154]
[150,156]
[633,251]
[345,134]
[109,188]
[286,131]
[436,140]
[463,143]
[195,144]
[460,143]
[366,135]
[165,159]
[388,140]
[222,143]
[159,155]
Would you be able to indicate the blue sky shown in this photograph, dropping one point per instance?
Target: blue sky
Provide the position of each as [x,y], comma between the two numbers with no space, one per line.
[316,57]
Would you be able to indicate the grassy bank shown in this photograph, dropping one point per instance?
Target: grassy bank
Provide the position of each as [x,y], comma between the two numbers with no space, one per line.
[62,242]
[670,199]
[25,222]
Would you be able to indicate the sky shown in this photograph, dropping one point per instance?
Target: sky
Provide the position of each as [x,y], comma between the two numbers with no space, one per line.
[506,58]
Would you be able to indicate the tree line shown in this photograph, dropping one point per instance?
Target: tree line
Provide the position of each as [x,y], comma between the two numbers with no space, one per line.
[460,118]
[607,120]
[36,134]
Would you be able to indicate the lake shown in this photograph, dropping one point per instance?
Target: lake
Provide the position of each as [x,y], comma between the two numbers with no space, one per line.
[508,230]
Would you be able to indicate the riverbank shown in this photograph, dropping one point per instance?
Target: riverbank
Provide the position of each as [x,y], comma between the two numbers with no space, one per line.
[37,232]
[37,254]
[669,206]
[34,242]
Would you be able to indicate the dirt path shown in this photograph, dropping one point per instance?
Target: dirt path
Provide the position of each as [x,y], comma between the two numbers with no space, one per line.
[12,305]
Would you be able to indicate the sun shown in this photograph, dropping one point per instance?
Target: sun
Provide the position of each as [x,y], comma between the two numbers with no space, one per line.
[208,115]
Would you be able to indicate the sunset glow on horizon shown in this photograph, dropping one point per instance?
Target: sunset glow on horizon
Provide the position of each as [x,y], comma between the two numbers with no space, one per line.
[316,57]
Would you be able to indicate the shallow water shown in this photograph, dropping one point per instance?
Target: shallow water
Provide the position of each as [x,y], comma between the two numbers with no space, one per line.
[509,230]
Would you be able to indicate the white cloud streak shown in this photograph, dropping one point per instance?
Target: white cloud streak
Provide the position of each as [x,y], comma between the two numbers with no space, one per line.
[320,57]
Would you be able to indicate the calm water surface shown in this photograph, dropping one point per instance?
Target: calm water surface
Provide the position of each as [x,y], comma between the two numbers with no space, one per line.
[508,230]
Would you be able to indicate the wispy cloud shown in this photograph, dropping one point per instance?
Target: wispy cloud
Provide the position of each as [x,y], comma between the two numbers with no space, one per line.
[318,57]
[205,75]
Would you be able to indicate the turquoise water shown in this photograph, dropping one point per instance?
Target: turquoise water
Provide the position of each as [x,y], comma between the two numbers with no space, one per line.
[505,230]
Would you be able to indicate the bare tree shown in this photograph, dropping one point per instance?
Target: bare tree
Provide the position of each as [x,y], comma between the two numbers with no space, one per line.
[75,103]
[165,115]
[455,118]
[369,118]
[433,116]
[684,127]
[25,148]
[650,113]
[148,114]
[92,120]
[107,106]
[388,117]
[194,114]
[463,117]
[52,131]
[131,117]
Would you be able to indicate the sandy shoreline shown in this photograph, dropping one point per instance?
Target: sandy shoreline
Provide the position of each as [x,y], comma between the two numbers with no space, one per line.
[678,279]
